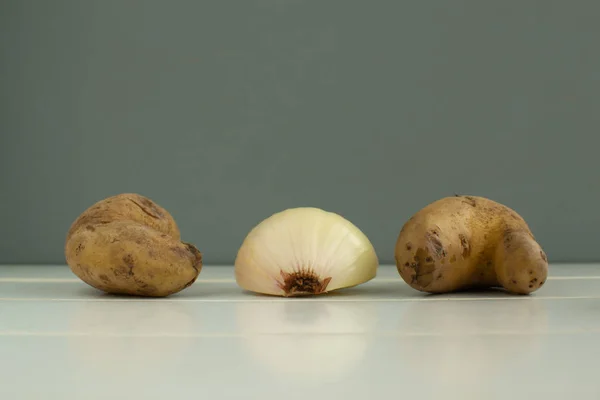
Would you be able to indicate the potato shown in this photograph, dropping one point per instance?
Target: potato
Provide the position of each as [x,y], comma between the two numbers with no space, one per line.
[469,242]
[127,244]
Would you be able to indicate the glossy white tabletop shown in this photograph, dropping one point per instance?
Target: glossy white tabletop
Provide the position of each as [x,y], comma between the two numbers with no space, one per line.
[61,339]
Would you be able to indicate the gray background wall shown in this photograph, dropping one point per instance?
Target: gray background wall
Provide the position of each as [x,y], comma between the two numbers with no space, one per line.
[227,111]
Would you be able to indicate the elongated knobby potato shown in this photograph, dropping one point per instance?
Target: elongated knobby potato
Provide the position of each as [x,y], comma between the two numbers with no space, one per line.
[466,242]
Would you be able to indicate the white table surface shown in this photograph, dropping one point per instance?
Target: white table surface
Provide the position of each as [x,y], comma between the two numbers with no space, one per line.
[61,339]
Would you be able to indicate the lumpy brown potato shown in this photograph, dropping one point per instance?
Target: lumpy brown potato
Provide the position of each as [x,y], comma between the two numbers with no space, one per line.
[467,242]
[128,244]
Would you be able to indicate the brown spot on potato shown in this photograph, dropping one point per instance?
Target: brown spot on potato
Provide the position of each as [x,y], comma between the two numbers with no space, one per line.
[407,264]
[80,247]
[87,220]
[488,263]
[104,278]
[436,244]
[514,282]
[141,283]
[507,238]
[128,260]
[453,258]
[147,207]
[90,228]
[542,282]
[408,246]
[424,271]
[470,201]
[530,286]
[121,271]
[464,243]
[145,289]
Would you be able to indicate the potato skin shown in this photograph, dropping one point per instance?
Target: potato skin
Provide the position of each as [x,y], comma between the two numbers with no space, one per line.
[127,244]
[467,242]
[131,207]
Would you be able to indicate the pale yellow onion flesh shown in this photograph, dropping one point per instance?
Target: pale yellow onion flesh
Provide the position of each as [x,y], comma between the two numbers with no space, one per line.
[304,240]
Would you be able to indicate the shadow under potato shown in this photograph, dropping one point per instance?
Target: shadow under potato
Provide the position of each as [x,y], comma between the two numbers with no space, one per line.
[477,292]
[203,290]
[92,293]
